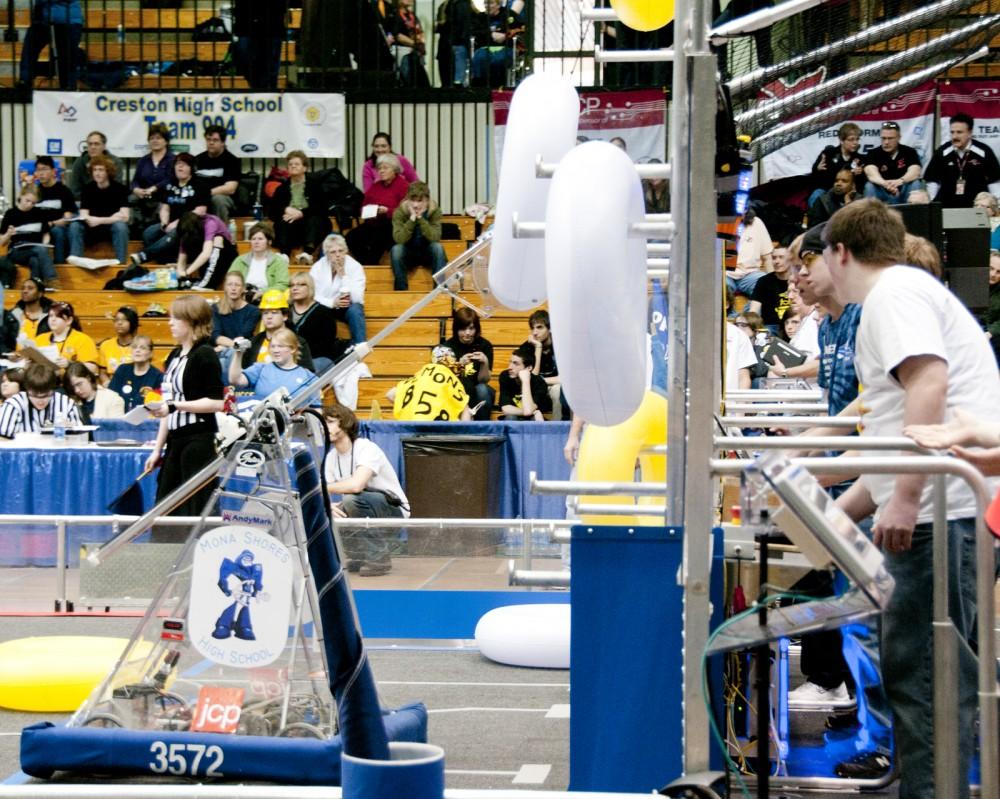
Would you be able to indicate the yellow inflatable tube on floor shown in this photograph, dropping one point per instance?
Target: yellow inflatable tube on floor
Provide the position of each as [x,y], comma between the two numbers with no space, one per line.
[609,454]
[54,674]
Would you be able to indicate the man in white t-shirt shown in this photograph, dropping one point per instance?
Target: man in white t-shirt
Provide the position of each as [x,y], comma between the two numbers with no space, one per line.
[920,356]
[740,359]
[360,473]
[753,256]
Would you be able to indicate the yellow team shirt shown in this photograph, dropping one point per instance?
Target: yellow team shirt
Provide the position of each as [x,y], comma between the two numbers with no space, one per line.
[264,353]
[29,328]
[77,346]
[432,394]
[111,355]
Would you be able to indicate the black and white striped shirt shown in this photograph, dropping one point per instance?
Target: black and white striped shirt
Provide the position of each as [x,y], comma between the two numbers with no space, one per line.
[192,376]
[18,415]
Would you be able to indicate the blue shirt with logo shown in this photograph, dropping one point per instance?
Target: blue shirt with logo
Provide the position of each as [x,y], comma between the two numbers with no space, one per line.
[836,358]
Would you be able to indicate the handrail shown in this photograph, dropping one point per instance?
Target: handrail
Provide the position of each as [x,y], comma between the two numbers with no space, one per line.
[777,407]
[819,442]
[790,421]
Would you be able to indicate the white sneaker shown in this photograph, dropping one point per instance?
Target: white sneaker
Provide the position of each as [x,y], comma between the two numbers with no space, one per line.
[811,695]
[304,258]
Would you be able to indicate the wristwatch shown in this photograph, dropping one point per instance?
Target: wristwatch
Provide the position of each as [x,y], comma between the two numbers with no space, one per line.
[171,407]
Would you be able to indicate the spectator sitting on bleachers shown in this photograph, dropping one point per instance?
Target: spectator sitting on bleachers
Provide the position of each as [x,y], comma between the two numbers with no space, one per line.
[273,317]
[262,268]
[25,232]
[283,371]
[834,158]
[93,401]
[991,318]
[656,193]
[921,253]
[205,252]
[369,240]
[524,395]
[11,382]
[298,210]
[117,350]
[752,325]
[132,380]
[339,282]
[416,231]
[408,47]
[433,394]
[232,318]
[220,170]
[79,175]
[892,170]
[58,22]
[32,310]
[989,202]
[770,295]
[37,405]
[152,174]
[475,357]
[382,145]
[544,363]
[961,168]
[104,210]
[182,194]
[66,341]
[831,201]
[753,255]
[56,202]
[494,46]
[314,322]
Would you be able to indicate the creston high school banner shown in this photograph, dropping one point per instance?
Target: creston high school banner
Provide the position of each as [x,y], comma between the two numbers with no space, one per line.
[257,125]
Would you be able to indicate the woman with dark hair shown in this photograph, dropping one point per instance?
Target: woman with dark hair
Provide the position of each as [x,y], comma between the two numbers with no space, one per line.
[192,393]
[116,350]
[298,210]
[67,339]
[382,145]
[475,357]
[32,310]
[262,268]
[183,193]
[205,243]
[94,401]
[152,173]
[10,383]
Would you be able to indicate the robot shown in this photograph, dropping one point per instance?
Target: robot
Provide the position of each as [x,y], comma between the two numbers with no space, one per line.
[235,619]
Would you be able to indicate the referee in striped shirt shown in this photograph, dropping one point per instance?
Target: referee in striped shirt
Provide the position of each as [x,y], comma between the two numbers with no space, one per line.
[37,405]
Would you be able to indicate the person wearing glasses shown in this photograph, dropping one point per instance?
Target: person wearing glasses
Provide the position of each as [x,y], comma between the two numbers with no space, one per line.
[892,170]
[962,168]
[37,405]
[846,154]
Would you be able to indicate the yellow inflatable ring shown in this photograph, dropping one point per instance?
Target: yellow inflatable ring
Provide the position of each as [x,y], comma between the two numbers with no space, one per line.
[610,453]
[54,674]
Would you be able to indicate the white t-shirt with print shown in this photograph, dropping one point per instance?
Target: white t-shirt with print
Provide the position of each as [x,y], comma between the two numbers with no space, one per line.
[739,355]
[909,313]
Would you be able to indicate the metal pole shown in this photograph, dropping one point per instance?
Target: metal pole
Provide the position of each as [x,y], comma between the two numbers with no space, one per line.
[945,649]
[60,603]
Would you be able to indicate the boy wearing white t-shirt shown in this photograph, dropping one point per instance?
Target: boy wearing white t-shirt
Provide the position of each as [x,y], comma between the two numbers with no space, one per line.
[920,356]
[359,471]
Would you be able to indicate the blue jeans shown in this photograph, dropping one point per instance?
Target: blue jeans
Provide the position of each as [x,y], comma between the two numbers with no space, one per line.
[416,252]
[745,284]
[484,393]
[460,59]
[79,233]
[354,316]
[37,259]
[373,544]
[60,242]
[907,653]
[489,66]
[877,192]
[159,245]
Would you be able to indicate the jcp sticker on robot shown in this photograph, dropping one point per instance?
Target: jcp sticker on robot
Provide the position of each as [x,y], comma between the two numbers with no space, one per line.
[241,595]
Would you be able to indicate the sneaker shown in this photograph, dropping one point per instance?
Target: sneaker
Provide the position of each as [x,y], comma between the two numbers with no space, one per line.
[809,695]
[304,258]
[137,258]
[145,283]
[865,766]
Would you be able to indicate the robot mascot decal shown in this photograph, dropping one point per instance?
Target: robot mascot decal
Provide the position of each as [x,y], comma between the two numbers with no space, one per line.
[235,619]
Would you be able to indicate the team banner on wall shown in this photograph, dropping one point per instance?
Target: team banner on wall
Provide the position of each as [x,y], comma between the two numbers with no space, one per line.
[638,118]
[914,111]
[258,125]
[980,99]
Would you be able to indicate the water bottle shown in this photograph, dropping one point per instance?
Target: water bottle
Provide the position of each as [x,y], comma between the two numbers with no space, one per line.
[59,428]
[232,229]
[121,33]
[258,211]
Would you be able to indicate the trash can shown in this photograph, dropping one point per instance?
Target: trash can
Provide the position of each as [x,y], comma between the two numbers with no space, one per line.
[455,477]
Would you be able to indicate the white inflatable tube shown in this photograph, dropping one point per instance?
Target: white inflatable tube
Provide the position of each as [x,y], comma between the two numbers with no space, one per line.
[526,635]
[543,120]
[596,278]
